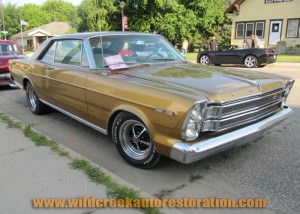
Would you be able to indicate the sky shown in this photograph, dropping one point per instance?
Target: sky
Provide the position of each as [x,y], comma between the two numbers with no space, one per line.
[39,2]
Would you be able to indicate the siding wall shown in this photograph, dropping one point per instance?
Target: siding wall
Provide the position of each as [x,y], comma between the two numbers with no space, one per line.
[252,10]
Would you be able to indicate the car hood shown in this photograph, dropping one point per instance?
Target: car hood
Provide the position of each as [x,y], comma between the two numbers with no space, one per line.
[214,83]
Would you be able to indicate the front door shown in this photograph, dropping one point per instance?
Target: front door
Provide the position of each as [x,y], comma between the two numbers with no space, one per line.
[65,76]
[275,32]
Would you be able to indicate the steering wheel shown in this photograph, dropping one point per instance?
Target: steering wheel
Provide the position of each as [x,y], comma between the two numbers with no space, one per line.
[153,54]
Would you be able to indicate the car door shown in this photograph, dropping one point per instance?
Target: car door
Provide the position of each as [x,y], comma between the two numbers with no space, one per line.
[226,56]
[66,73]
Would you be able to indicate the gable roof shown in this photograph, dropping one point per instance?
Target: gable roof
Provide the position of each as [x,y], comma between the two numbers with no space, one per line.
[234,6]
[51,29]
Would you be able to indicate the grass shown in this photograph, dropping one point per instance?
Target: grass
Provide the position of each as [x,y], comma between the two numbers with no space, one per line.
[42,140]
[288,58]
[280,58]
[164,192]
[10,123]
[27,52]
[95,175]
[114,189]
[195,177]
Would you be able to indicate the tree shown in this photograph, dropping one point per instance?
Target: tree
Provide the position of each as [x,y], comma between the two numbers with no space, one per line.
[89,11]
[11,19]
[34,15]
[167,17]
[60,11]
[211,19]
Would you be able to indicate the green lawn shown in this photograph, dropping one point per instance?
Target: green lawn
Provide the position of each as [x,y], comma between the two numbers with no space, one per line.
[280,58]
[27,52]
[288,58]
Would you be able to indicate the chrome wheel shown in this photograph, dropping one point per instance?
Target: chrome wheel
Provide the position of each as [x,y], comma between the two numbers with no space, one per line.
[204,60]
[34,104]
[135,139]
[32,98]
[250,61]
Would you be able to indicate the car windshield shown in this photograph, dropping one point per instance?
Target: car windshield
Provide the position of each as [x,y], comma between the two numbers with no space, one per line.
[134,49]
[9,48]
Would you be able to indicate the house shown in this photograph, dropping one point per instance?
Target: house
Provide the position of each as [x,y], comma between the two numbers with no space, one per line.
[33,38]
[272,21]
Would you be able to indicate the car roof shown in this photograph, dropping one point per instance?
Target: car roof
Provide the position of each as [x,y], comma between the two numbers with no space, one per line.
[6,42]
[100,33]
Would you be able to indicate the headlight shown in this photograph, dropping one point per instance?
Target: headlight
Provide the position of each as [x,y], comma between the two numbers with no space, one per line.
[193,121]
[288,88]
[287,91]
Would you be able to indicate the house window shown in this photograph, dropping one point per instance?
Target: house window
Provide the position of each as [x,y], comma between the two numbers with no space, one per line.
[246,29]
[275,1]
[240,30]
[292,28]
[259,29]
[249,29]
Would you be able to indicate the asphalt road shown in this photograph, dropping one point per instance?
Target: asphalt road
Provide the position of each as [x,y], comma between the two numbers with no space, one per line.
[268,168]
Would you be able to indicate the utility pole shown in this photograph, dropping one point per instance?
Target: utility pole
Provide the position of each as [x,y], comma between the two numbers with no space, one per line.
[122,5]
[2,15]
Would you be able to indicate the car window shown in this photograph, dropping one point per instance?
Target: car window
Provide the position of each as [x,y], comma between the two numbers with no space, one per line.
[49,55]
[9,48]
[134,49]
[68,52]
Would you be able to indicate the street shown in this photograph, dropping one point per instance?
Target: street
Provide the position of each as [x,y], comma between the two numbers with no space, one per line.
[268,168]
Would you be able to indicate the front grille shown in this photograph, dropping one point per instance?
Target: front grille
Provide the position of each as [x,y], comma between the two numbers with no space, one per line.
[235,113]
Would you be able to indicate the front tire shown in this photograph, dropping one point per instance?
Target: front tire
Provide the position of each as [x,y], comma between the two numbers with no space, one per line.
[34,103]
[250,61]
[204,60]
[133,141]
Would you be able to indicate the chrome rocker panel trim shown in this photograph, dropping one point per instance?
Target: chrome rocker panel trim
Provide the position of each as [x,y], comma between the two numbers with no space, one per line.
[188,153]
[104,131]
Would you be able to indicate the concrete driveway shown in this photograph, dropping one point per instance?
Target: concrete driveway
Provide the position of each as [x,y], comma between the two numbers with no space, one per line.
[268,168]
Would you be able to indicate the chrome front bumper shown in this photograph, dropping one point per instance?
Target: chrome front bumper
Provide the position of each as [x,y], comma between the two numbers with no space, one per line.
[10,82]
[188,153]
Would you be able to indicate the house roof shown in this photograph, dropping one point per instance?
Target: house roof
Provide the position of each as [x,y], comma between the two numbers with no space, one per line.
[234,6]
[51,29]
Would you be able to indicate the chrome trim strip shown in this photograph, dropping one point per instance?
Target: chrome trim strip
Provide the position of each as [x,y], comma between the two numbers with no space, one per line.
[188,153]
[104,131]
[219,108]
[216,123]
[250,110]
[245,97]
[254,99]
[5,76]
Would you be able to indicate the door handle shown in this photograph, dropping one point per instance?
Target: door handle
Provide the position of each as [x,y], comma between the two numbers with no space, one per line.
[49,68]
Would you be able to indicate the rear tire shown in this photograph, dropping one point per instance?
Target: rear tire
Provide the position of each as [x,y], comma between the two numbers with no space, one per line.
[204,60]
[133,141]
[250,61]
[34,103]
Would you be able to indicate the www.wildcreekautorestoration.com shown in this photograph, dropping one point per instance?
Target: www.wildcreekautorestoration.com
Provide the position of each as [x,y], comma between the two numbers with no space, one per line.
[93,202]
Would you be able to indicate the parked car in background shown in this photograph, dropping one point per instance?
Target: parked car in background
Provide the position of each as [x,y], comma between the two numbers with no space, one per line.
[8,50]
[231,54]
[138,89]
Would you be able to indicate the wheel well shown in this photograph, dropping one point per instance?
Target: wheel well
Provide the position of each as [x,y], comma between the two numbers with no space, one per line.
[111,120]
[113,117]
[25,81]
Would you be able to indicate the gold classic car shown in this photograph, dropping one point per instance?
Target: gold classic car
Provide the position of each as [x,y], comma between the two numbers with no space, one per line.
[138,89]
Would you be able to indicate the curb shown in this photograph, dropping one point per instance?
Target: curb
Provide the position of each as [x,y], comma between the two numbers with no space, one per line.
[115,177]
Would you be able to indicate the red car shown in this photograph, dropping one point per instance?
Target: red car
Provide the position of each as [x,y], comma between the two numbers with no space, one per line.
[8,50]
